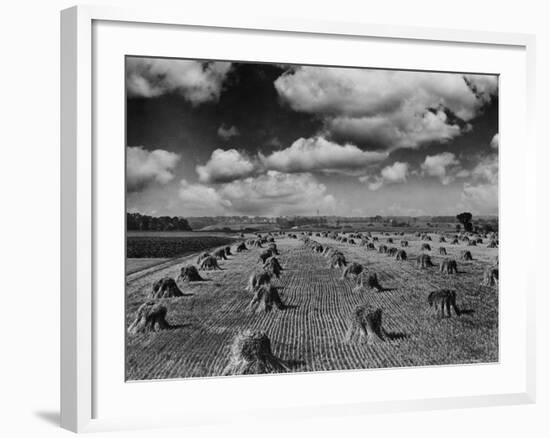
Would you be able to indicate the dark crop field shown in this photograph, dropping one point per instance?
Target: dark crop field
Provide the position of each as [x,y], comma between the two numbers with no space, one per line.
[152,246]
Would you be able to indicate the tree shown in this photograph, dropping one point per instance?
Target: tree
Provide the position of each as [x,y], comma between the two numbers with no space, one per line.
[139,222]
[488,227]
[466,220]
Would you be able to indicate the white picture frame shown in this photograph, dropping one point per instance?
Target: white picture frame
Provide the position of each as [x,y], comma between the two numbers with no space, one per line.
[79,201]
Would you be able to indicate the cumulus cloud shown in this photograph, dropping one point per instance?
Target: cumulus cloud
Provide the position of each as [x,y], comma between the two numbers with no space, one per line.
[444,166]
[304,155]
[272,193]
[197,82]
[279,193]
[202,199]
[373,184]
[145,167]
[403,129]
[484,86]
[319,154]
[481,193]
[227,133]
[486,170]
[396,173]
[225,166]
[495,141]
[390,109]
[481,197]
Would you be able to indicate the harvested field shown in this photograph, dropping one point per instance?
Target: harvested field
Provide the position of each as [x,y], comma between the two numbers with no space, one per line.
[309,333]
[324,230]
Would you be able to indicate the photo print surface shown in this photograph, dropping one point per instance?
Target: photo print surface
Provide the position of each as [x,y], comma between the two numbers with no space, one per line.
[299,218]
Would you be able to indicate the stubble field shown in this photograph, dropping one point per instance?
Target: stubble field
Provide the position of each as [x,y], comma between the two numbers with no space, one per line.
[310,333]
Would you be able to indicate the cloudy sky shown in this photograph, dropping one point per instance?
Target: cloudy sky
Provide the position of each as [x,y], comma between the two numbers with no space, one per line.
[224,138]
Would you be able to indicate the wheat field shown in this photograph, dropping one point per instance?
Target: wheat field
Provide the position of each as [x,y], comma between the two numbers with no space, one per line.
[310,332]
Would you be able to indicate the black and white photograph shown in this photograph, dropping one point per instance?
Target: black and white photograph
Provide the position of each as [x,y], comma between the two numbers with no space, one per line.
[285,218]
[298,219]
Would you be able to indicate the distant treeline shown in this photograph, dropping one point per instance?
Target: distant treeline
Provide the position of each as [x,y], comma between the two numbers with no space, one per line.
[141,222]
[439,219]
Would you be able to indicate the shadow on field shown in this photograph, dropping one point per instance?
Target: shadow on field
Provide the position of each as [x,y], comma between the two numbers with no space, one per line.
[187,294]
[396,336]
[289,306]
[380,289]
[293,364]
[437,314]
[461,273]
